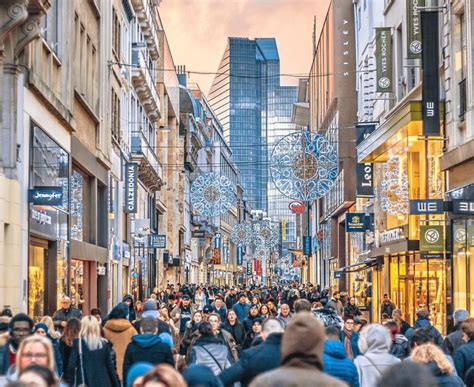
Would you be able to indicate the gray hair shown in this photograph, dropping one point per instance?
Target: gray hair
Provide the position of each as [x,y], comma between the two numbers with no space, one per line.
[272,325]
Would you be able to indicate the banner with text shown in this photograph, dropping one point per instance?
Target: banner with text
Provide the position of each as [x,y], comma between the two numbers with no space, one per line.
[414,44]
[131,178]
[384,59]
[364,171]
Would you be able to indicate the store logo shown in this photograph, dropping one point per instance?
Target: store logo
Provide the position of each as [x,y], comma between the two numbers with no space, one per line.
[415,47]
[46,196]
[460,235]
[384,82]
[296,207]
[432,235]
[131,172]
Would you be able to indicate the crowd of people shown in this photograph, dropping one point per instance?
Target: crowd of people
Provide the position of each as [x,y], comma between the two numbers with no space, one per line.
[292,335]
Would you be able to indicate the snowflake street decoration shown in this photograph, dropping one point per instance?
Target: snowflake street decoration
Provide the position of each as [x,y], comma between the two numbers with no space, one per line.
[261,253]
[265,234]
[212,194]
[304,166]
[242,234]
[394,188]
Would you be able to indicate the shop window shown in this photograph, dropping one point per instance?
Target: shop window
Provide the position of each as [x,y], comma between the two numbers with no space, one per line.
[80,206]
[102,218]
[36,281]
[77,283]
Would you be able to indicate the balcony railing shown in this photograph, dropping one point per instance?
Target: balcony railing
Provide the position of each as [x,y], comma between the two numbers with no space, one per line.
[462,99]
[150,170]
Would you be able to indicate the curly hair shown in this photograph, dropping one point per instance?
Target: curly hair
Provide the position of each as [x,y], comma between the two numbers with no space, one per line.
[430,353]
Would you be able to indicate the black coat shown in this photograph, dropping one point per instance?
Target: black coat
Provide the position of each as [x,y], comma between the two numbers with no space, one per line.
[254,361]
[352,310]
[146,348]
[98,366]
[162,326]
[65,351]
[65,315]
[237,331]
[464,358]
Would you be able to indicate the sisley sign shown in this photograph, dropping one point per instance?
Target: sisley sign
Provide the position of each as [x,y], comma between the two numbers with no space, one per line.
[46,196]
[131,172]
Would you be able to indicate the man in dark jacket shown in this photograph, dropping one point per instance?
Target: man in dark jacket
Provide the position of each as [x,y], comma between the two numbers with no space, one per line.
[231,298]
[423,321]
[387,306]
[455,339]
[220,308]
[131,315]
[67,312]
[147,347]
[336,362]
[259,359]
[20,326]
[241,308]
[150,310]
[464,356]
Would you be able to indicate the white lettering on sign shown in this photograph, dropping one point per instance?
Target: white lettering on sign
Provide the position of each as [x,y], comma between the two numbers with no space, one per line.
[47,195]
[41,217]
[466,206]
[391,235]
[430,109]
[367,175]
[131,187]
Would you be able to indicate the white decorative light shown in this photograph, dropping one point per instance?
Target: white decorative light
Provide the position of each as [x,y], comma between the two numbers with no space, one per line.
[394,187]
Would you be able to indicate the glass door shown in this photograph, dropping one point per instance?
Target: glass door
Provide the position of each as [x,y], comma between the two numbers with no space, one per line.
[37,293]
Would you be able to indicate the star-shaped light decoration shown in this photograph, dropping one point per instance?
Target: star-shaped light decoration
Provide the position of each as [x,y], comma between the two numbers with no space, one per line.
[212,194]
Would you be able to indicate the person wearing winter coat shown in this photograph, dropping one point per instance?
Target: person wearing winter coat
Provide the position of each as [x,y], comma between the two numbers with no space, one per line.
[248,320]
[241,308]
[150,309]
[200,376]
[131,314]
[181,314]
[464,356]
[235,328]
[119,331]
[96,362]
[66,312]
[402,324]
[432,356]
[301,357]
[423,321]
[350,338]
[388,306]
[259,359]
[254,337]
[352,309]
[42,330]
[219,308]
[455,339]
[400,348]
[200,299]
[284,316]
[147,347]
[336,304]
[374,344]
[209,351]
[70,333]
[336,362]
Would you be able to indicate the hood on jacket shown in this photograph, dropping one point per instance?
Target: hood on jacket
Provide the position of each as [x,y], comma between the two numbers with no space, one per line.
[118,325]
[303,342]
[375,338]
[128,297]
[202,376]
[400,339]
[146,340]
[335,349]
[421,323]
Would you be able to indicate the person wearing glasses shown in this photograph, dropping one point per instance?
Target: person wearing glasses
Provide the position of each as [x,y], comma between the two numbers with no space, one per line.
[350,338]
[61,316]
[34,350]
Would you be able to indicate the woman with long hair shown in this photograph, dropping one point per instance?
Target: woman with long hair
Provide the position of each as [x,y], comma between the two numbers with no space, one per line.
[254,337]
[235,328]
[200,299]
[138,310]
[264,312]
[441,368]
[191,333]
[70,333]
[165,316]
[50,324]
[90,362]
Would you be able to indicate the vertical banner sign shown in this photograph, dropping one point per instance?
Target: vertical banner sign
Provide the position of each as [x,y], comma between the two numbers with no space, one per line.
[226,253]
[283,229]
[240,255]
[431,238]
[249,268]
[414,42]
[131,175]
[430,66]
[384,59]
[217,241]
[364,171]
[307,245]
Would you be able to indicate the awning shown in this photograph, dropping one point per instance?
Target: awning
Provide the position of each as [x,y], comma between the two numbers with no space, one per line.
[359,266]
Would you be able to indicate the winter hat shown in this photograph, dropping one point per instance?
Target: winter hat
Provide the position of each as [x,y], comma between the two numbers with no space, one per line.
[137,370]
[202,376]
[460,315]
[206,309]
[303,342]
[42,326]
[150,305]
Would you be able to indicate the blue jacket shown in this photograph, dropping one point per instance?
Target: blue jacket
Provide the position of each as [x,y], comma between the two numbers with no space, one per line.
[464,358]
[445,379]
[354,342]
[337,364]
[4,359]
[241,310]
[425,323]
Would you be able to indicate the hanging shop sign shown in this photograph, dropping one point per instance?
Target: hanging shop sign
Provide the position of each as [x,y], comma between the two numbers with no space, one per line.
[296,207]
[131,178]
[46,196]
[428,255]
[358,222]
[307,245]
[338,274]
[383,53]
[240,255]
[41,217]
[283,229]
[216,257]
[389,236]
[249,268]
[364,171]
[463,207]
[431,238]
[426,207]
[158,241]
[141,227]
[217,241]
[225,253]
[414,43]
[430,65]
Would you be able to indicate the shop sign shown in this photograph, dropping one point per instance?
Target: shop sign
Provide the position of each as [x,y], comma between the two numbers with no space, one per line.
[131,177]
[393,235]
[283,229]
[46,196]
[101,270]
[126,250]
[427,255]
[249,268]
[176,261]
[364,171]
[198,234]
[307,245]
[464,207]
[383,53]
[426,207]
[358,222]
[240,255]
[414,44]
[338,274]
[430,65]
[158,241]
[41,217]
[431,238]
[225,253]
[142,227]
[216,257]
[296,207]
[217,241]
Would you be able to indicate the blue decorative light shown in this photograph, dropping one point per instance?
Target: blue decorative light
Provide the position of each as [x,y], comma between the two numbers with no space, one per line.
[265,234]
[304,166]
[212,194]
[242,234]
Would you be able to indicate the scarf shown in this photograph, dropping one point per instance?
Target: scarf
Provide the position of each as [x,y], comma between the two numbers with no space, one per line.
[347,343]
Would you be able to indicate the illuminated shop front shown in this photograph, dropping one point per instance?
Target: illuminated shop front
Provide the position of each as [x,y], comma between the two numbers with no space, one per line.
[406,167]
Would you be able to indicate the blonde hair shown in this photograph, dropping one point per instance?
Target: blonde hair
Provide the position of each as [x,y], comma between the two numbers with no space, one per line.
[36,339]
[49,323]
[430,353]
[90,333]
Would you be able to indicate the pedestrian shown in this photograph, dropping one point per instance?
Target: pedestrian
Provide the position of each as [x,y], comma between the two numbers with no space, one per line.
[136,373]
[165,316]
[91,362]
[400,347]
[52,332]
[423,321]
[70,333]
[131,315]
[219,308]
[292,296]
[258,359]
[42,330]
[38,376]
[181,314]
[464,356]
[351,308]
[402,324]
[138,310]
[118,330]
[150,309]
[264,312]
[431,356]
[147,347]
[455,339]
[208,350]
[231,298]
[66,312]
[163,375]
[224,336]
[252,315]
[272,310]
[301,357]
[407,374]
[241,308]
[336,304]
[336,362]
[190,334]
[97,313]
[302,305]
[235,328]
[374,344]
[197,375]
[387,306]
[200,299]
[254,338]
[20,327]
[284,316]
[350,338]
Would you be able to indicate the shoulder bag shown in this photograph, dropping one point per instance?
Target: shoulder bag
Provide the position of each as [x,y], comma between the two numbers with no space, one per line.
[81,366]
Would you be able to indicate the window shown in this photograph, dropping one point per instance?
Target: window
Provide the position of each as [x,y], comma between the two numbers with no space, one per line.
[463,67]
[116,34]
[115,117]
[51,27]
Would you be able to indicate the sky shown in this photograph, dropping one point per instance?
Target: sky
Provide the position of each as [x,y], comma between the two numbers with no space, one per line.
[197,31]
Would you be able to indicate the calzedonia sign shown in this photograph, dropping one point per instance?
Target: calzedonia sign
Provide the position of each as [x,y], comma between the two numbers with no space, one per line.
[131,176]
[46,196]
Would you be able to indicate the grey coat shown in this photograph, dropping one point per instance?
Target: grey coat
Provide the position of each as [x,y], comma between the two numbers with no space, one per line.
[210,352]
